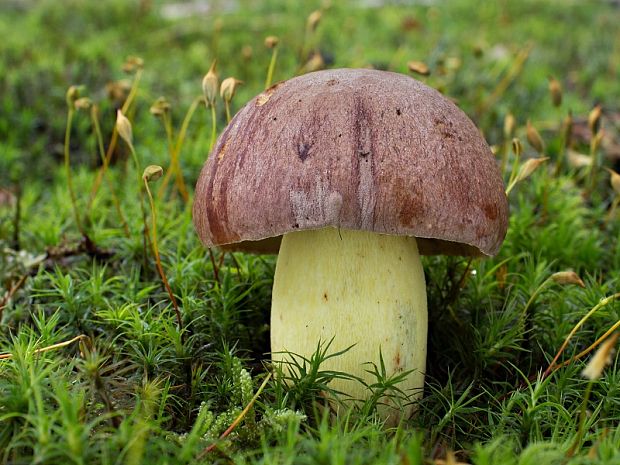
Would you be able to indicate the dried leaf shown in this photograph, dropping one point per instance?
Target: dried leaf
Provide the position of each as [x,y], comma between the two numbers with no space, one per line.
[262,99]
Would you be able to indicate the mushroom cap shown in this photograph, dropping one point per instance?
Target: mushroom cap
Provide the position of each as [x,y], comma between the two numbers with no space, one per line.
[356,149]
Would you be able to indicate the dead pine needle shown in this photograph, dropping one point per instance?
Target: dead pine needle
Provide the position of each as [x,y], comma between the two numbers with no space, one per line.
[597,307]
[52,347]
[593,346]
[239,418]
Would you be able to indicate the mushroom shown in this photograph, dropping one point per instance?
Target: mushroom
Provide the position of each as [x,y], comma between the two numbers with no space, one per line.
[355,172]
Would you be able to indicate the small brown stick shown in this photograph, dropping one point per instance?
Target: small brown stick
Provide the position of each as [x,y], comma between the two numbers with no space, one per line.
[593,346]
[581,322]
[554,366]
[238,420]
[48,348]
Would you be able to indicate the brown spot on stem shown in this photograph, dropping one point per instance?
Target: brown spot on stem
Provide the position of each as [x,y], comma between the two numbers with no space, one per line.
[397,366]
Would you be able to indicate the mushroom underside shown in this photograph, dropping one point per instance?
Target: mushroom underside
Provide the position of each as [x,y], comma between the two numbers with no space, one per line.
[426,246]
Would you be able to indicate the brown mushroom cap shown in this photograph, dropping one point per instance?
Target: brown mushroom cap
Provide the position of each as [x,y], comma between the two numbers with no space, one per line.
[356,149]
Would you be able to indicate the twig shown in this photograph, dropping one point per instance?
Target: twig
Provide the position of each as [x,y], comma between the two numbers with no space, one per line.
[581,322]
[238,420]
[593,346]
[554,366]
[48,348]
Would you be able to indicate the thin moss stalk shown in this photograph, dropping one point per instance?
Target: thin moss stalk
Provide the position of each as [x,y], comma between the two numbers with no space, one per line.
[591,347]
[94,115]
[604,302]
[511,75]
[152,173]
[213,127]
[67,161]
[167,122]
[114,139]
[271,42]
[582,421]
[175,164]
[124,130]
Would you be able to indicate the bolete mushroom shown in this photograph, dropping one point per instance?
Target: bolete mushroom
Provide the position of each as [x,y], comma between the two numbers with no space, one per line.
[356,172]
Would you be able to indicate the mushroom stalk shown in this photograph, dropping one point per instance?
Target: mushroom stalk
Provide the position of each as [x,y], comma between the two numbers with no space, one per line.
[359,288]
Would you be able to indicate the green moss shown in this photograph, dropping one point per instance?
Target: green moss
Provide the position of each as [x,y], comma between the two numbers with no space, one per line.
[136,389]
